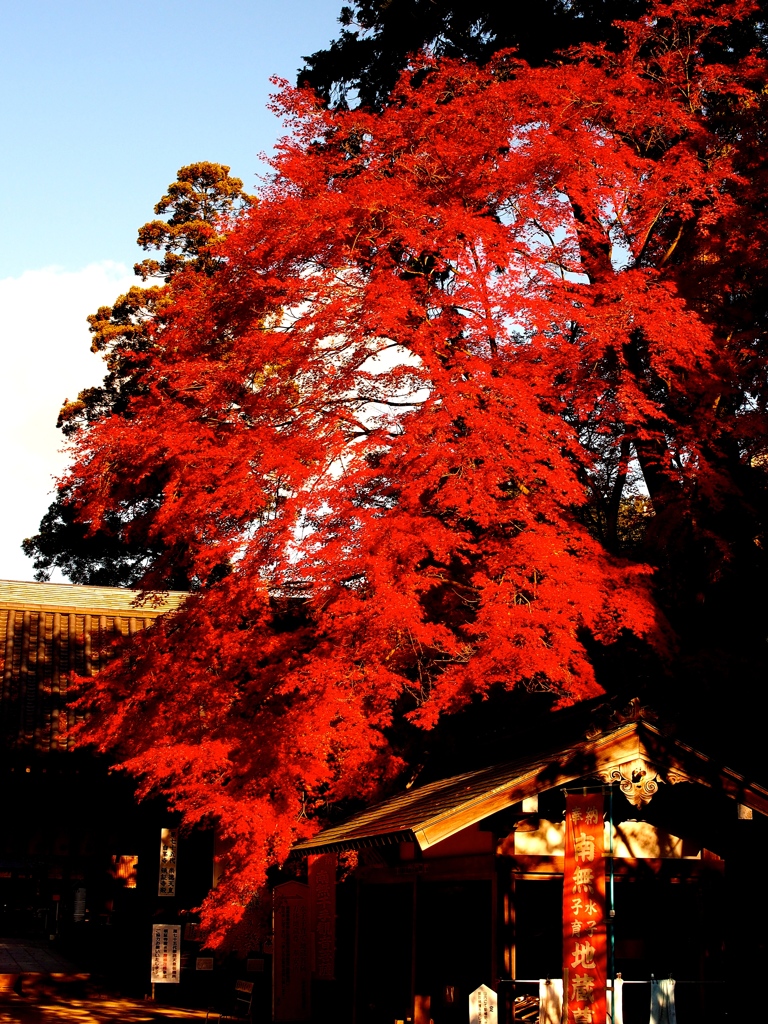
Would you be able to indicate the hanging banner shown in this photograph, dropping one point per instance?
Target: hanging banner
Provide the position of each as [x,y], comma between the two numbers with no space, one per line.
[585,951]
[166,882]
[291,968]
[321,875]
[166,953]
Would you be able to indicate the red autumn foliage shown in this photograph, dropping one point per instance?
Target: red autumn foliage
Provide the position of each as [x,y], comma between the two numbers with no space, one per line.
[397,429]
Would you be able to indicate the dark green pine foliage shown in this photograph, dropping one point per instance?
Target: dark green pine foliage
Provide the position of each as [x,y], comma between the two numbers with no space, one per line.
[197,207]
[377,36]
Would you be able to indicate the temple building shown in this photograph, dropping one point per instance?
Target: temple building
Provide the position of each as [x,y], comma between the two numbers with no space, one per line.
[47,631]
[459,883]
[602,854]
[80,859]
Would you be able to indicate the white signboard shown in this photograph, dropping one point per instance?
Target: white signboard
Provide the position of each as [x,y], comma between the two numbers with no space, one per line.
[483,1006]
[166,882]
[166,953]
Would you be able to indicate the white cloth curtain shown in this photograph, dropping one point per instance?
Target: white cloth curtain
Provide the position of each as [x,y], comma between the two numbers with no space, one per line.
[550,1000]
[618,1001]
[663,1002]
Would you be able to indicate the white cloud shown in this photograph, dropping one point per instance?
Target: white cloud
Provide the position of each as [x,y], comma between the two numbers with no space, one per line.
[46,357]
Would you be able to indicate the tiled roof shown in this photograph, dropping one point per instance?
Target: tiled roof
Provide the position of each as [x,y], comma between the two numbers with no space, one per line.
[403,816]
[428,814]
[49,630]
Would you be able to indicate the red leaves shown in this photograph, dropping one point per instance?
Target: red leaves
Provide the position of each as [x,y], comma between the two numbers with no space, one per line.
[380,423]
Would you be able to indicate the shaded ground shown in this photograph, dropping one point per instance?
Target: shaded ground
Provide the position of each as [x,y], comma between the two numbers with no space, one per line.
[15,1010]
[17,957]
[39,986]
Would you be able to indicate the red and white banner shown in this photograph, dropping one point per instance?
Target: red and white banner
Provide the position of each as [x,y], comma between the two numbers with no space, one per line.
[585,953]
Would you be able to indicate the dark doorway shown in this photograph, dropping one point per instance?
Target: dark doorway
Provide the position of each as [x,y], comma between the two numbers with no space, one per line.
[539,929]
[454,928]
[384,944]
[671,926]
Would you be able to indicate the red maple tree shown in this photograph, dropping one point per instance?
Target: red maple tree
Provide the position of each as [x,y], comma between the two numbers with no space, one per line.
[457,351]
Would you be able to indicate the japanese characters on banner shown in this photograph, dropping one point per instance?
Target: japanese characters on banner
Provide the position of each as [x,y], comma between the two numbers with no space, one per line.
[166,883]
[166,953]
[322,903]
[585,955]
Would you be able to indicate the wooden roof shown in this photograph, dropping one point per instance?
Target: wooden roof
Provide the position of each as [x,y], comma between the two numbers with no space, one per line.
[49,630]
[636,755]
[68,597]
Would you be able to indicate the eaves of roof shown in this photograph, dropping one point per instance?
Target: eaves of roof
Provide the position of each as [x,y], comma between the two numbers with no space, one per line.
[68,597]
[429,814]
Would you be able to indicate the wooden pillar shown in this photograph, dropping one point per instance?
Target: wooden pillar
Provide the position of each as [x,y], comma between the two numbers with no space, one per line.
[88,646]
[42,727]
[26,624]
[10,637]
[72,664]
[414,907]
[356,953]
[509,941]
[495,963]
[55,679]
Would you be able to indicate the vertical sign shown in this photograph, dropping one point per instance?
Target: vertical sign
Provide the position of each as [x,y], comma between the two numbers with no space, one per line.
[483,1006]
[166,953]
[290,962]
[166,883]
[585,957]
[322,902]
[79,910]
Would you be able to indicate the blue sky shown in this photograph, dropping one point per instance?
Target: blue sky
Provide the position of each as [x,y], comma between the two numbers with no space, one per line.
[100,104]
[103,101]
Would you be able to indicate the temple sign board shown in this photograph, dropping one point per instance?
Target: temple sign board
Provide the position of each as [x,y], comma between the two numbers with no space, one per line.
[166,954]
[169,842]
[483,1006]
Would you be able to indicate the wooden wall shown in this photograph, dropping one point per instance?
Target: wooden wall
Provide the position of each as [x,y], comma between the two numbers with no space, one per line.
[39,650]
